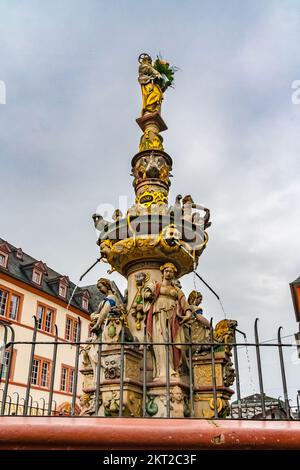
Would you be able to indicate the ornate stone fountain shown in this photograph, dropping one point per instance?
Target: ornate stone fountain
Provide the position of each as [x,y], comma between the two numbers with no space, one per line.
[142,358]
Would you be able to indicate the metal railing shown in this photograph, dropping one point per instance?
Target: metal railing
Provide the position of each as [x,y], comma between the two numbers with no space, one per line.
[259,407]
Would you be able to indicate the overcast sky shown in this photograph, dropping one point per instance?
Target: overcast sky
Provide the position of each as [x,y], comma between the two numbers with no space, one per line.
[68,134]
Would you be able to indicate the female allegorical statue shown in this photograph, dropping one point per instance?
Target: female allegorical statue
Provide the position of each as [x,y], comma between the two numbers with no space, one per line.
[168,310]
[154,79]
[106,305]
[151,92]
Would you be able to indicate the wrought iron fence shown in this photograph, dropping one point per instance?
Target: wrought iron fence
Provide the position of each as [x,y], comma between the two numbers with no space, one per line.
[203,389]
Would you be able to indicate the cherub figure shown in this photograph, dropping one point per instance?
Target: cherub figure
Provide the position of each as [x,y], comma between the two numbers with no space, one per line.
[141,303]
[194,217]
[197,328]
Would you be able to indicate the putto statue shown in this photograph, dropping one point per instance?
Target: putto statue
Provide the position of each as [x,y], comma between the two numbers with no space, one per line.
[154,79]
[197,329]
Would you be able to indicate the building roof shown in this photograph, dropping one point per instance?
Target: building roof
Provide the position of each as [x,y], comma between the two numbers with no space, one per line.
[296,281]
[21,268]
[251,407]
[256,398]
[295,293]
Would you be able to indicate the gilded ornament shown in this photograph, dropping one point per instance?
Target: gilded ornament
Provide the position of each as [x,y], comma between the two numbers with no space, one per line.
[224,333]
[151,140]
[148,198]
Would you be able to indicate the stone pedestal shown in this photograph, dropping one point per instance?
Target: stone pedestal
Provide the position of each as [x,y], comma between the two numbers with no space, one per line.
[110,402]
[152,119]
[203,384]
[88,385]
[110,381]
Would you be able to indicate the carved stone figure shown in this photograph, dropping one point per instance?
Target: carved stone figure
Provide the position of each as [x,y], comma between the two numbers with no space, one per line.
[112,331]
[152,94]
[117,215]
[151,140]
[228,374]
[224,333]
[177,403]
[105,248]
[197,328]
[135,210]
[112,405]
[194,217]
[168,306]
[85,352]
[111,367]
[195,300]
[87,404]
[141,304]
[99,222]
[90,351]
[106,306]
[175,211]
[151,406]
[153,166]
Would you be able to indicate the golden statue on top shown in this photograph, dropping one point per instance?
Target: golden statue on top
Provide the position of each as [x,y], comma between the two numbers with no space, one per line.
[154,79]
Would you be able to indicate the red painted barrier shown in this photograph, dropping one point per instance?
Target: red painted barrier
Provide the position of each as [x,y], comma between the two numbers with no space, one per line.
[146,434]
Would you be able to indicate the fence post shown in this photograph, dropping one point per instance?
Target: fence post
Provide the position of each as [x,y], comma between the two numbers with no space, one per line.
[11,350]
[261,385]
[52,371]
[283,376]
[30,366]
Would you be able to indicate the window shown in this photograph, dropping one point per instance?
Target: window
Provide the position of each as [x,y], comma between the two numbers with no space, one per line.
[14,305]
[62,290]
[68,329]
[40,373]
[5,364]
[45,374]
[3,260]
[48,321]
[71,329]
[36,276]
[35,372]
[71,380]
[85,303]
[63,381]
[19,254]
[3,301]
[75,330]
[45,318]
[10,304]
[67,379]
[40,316]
